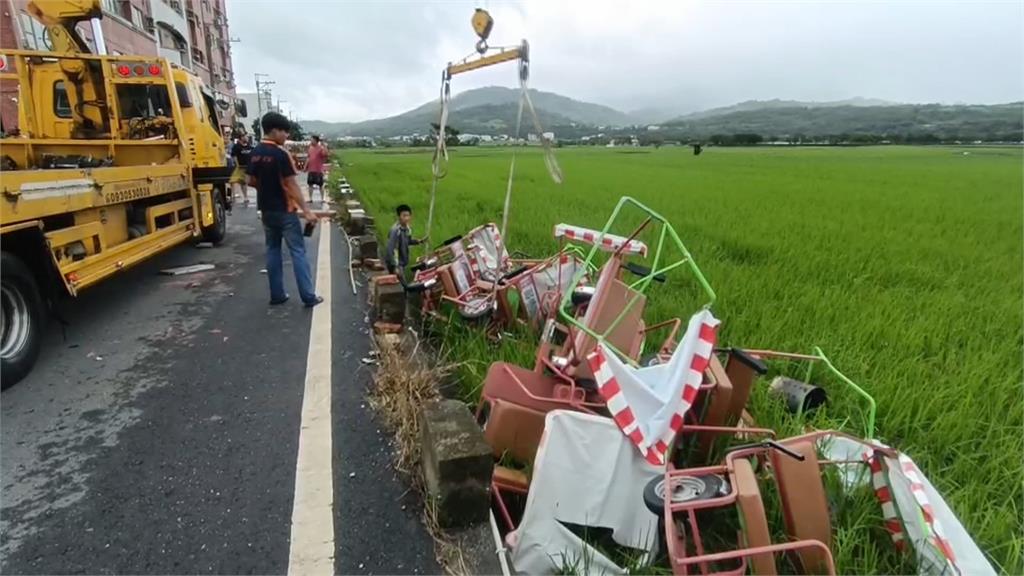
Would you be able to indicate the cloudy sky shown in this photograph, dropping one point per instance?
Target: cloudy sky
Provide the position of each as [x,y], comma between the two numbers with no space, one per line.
[351,60]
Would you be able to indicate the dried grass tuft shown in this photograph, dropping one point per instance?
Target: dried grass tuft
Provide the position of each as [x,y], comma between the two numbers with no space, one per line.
[403,385]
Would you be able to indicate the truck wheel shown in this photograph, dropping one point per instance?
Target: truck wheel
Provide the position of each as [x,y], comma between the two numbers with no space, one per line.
[219,229]
[21,320]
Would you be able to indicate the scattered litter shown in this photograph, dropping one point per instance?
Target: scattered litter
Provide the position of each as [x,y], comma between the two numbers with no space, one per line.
[225,339]
[353,475]
[263,270]
[191,269]
[204,245]
[94,356]
[368,361]
[215,331]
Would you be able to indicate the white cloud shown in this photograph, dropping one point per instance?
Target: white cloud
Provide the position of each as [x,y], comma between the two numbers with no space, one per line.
[351,60]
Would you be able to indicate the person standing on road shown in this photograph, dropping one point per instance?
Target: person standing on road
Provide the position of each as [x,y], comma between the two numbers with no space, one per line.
[272,172]
[240,152]
[396,254]
[316,157]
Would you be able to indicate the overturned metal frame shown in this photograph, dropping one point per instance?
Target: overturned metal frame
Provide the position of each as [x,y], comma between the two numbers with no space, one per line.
[657,270]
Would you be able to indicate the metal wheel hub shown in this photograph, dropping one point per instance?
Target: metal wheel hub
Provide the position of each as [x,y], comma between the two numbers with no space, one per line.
[684,488]
[14,321]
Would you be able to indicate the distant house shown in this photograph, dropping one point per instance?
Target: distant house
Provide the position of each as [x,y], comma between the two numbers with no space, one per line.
[549,136]
[653,128]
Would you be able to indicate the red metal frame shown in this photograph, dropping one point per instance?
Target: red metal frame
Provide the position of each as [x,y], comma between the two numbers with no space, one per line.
[676,544]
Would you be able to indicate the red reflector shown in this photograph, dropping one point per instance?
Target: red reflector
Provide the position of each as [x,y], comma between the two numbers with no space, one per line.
[124,70]
[140,70]
[72,277]
[154,70]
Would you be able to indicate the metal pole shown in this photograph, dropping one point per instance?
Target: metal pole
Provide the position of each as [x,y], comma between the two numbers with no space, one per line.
[259,99]
[97,35]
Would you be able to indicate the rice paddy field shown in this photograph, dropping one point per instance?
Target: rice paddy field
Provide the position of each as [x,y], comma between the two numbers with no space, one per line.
[903,264]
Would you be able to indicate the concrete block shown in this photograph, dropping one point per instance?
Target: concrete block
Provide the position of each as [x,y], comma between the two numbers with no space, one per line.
[389,303]
[372,279]
[356,224]
[457,463]
[368,247]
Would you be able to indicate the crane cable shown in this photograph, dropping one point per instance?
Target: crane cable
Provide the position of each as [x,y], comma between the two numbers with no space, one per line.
[439,164]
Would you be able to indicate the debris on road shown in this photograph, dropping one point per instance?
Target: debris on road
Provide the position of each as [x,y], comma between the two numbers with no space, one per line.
[190,269]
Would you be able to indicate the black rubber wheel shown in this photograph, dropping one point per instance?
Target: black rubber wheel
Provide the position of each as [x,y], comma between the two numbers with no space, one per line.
[686,489]
[21,320]
[216,233]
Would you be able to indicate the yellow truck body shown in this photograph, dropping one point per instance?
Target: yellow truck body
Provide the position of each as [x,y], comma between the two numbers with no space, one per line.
[116,158]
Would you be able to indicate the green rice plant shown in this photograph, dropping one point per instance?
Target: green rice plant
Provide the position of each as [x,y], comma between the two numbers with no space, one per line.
[902,263]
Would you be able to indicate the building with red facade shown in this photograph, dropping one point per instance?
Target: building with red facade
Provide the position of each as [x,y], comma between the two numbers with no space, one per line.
[191,33]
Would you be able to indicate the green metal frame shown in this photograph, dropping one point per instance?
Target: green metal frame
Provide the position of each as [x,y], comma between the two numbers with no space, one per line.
[667,233]
[869,428]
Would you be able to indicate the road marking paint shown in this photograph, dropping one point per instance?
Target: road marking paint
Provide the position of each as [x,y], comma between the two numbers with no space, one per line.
[312,537]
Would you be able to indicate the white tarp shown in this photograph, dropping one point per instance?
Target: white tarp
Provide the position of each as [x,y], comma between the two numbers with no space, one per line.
[586,473]
[648,403]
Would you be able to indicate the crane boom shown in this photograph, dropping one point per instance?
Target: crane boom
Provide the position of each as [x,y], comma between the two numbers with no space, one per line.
[84,80]
[61,18]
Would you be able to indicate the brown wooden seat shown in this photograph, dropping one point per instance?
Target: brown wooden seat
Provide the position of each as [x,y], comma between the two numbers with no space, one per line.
[514,430]
[804,505]
[755,523]
[611,297]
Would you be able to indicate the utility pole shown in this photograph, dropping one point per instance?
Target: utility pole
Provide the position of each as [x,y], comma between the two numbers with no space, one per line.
[262,89]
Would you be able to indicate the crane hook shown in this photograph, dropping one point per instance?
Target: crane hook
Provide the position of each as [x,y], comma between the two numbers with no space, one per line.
[482,24]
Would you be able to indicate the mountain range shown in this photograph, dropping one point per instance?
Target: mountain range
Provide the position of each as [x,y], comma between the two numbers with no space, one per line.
[492,111]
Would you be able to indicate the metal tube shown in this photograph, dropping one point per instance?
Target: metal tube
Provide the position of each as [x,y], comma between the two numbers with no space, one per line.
[97,37]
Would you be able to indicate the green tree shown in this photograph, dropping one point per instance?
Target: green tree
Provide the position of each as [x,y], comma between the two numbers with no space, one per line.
[296,131]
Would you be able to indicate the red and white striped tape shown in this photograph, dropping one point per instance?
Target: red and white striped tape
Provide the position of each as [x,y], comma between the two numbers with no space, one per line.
[608,242]
[894,523]
[890,516]
[654,450]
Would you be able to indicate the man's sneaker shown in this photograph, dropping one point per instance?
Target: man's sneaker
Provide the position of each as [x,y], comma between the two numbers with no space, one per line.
[278,302]
[318,300]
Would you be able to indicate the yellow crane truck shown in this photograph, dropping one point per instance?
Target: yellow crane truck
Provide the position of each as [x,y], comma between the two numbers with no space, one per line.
[115,159]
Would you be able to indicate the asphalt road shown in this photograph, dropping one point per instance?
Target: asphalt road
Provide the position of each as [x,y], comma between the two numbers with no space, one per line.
[158,433]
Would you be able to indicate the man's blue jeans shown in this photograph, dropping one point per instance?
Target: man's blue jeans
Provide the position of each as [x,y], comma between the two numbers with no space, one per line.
[286,225]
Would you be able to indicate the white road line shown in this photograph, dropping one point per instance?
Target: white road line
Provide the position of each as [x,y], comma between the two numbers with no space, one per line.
[312,540]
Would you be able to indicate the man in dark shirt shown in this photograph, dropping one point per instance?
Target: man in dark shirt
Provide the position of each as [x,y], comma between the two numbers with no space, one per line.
[272,172]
